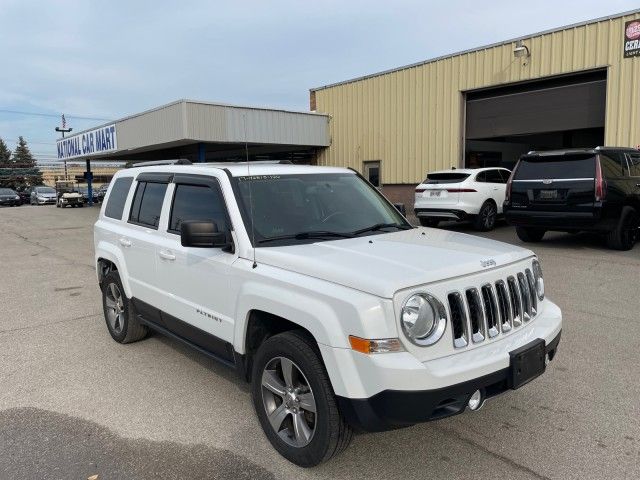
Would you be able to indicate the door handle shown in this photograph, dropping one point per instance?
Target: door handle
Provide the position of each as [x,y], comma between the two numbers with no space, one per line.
[124,242]
[166,255]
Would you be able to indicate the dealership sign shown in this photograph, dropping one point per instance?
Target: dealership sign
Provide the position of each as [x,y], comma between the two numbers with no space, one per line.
[632,38]
[92,142]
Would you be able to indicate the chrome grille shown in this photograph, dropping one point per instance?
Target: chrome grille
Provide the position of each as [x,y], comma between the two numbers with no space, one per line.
[476,315]
[516,302]
[480,314]
[458,320]
[532,292]
[504,307]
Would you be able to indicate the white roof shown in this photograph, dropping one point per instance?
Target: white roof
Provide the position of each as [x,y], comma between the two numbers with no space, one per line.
[239,169]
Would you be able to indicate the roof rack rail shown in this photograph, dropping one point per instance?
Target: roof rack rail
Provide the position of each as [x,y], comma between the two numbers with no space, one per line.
[176,161]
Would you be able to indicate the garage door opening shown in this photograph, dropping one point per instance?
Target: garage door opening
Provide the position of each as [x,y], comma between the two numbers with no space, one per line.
[506,122]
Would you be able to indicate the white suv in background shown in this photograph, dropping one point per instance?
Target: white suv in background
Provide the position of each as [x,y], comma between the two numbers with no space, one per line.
[317,291]
[463,194]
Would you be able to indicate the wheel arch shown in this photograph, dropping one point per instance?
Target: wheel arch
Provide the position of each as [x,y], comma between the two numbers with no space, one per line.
[107,254]
[262,325]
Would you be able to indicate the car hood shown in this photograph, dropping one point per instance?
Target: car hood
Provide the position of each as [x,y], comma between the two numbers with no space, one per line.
[383,264]
[46,195]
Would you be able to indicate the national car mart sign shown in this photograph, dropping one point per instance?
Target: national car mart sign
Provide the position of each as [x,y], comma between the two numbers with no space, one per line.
[92,142]
[632,38]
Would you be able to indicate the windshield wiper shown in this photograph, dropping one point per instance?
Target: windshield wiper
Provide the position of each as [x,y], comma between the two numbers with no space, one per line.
[307,235]
[379,226]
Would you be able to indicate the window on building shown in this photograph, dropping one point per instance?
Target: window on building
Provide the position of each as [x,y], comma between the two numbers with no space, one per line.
[196,202]
[147,203]
[372,172]
[118,197]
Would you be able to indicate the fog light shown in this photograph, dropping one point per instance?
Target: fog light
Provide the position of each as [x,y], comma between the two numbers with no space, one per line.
[476,401]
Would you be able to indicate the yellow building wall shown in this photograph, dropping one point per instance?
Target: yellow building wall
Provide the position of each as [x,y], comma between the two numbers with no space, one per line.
[412,119]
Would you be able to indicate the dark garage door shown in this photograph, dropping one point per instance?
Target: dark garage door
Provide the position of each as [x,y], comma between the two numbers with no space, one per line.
[570,107]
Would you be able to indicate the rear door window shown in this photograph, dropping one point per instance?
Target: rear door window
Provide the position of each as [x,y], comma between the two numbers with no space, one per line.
[505,175]
[556,167]
[634,164]
[448,177]
[118,197]
[197,202]
[493,176]
[147,204]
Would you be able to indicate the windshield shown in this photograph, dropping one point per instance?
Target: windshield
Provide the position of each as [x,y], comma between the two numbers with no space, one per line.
[319,206]
[6,191]
[448,177]
[45,190]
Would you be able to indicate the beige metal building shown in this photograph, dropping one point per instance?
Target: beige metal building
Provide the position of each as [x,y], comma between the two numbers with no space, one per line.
[575,86]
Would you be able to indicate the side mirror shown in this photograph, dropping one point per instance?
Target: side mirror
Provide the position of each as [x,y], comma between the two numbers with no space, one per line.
[202,234]
[400,208]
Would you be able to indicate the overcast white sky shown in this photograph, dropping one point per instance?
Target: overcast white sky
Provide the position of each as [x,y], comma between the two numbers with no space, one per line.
[109,59]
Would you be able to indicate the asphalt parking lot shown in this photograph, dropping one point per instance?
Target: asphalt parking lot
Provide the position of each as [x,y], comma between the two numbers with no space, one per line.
[73,403]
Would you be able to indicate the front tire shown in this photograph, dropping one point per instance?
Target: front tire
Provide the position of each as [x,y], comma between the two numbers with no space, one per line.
[529,234]
[294,401]
[625,234]
[486,218]
[122,323]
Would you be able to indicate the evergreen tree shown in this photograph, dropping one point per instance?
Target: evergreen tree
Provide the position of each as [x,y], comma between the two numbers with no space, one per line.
[22,157]
[21,170]
[5,154]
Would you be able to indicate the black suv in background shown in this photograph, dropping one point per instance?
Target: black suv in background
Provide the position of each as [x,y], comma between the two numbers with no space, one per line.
[576,190]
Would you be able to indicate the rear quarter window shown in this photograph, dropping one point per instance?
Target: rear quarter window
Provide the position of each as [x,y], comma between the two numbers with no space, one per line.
[556,167]
[118,197]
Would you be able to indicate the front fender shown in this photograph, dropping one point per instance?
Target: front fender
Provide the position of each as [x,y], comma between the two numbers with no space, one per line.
[330,312]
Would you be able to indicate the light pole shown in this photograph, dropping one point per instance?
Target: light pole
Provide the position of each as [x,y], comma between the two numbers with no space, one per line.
[64,130]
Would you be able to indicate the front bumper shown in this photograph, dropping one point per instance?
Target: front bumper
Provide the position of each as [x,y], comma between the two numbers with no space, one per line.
[391,409]
[45,201]
[10,203]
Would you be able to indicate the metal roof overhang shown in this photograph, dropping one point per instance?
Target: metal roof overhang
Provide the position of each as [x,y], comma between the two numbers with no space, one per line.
[184,125]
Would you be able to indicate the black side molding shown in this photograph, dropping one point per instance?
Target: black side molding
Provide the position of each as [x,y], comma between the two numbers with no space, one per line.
[203,342]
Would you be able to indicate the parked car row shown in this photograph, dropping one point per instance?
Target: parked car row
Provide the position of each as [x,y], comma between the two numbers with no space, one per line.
[44,195]
[596,190]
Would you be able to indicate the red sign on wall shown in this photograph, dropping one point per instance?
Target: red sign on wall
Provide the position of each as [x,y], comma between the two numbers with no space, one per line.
[632,38]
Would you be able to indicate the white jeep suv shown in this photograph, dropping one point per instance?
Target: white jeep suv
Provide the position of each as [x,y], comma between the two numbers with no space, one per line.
[310,284]
[464,194]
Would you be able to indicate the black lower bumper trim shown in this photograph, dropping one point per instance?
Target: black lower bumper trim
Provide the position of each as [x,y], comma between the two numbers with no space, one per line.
[392,409]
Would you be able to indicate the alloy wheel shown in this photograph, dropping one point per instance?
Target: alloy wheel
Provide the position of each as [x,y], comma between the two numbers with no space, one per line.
[115,308]
[489,216]
[289,402]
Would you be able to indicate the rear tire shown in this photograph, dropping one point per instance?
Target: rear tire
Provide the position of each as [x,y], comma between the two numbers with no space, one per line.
[119,313]
[486,218]
[625,235]
[324,432]
[529,234]
[429,222]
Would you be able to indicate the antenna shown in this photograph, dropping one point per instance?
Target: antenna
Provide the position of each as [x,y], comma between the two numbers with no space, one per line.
[246,151]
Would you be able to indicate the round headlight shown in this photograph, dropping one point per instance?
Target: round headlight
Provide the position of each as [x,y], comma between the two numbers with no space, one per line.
[537,276]
[423,319]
